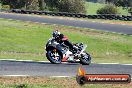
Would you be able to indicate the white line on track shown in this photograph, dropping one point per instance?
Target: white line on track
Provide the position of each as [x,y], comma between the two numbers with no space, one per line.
[107,63]
[123,24]
[14,60]
[112,63]
[8,59]
[15,75]
[112,23]
[49,61]
[60,76]
[29,76]
[113,32]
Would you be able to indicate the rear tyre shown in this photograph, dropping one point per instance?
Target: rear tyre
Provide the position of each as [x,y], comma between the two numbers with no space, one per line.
[85,59]
[54,56]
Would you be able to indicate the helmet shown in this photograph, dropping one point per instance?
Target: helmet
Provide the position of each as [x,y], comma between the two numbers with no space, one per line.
[55,33]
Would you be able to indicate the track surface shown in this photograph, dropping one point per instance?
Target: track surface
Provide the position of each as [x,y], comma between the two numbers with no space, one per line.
[65,69]
[69,69]
[125,29]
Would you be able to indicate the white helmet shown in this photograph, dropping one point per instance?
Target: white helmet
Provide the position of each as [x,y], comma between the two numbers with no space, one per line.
[55,33]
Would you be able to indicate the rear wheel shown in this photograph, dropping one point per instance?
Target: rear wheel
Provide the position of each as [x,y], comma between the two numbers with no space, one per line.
[85,59]
[54,56]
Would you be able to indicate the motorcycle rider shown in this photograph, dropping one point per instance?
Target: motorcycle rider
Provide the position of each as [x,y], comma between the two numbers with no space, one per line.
[60,38]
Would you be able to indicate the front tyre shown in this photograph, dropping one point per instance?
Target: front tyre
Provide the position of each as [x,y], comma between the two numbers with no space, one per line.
[54,56]
[85,58]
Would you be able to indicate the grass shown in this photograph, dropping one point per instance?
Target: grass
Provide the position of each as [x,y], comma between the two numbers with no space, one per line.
[45,82]
[91,8]
[26,40]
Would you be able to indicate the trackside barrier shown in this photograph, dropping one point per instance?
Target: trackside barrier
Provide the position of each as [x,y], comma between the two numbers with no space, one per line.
[98,16]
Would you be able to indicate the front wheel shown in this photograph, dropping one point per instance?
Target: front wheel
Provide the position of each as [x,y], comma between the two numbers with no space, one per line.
[54,56]
[85,58]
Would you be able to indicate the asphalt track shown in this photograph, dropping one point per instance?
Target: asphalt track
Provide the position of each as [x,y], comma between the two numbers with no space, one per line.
[28,68]
[65,69]
[123,29]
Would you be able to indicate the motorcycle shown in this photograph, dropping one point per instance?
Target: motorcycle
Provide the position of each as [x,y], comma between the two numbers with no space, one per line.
[57,53]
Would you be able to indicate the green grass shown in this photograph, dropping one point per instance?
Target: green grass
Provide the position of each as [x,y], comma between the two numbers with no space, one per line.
[31,86]
[44,82]
[91,8]
[24,40]
[61,86]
